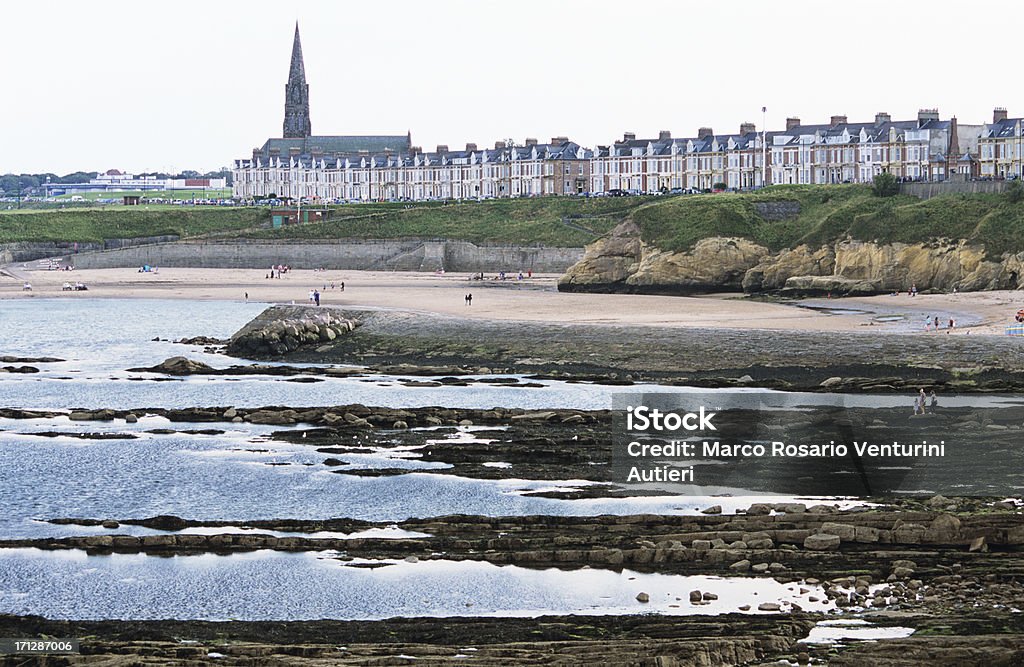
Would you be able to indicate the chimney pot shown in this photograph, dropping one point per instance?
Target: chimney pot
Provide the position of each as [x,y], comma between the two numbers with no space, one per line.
[925,115]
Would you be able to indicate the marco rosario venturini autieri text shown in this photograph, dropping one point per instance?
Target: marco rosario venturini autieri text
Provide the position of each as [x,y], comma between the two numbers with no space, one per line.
[642,419]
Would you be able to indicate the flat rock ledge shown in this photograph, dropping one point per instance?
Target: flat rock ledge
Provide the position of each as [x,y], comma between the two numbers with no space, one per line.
[279,330]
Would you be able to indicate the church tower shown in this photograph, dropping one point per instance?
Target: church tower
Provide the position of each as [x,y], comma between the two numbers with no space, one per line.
[296,96]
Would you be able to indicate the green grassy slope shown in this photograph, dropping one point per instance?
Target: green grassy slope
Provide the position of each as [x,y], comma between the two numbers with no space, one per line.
[830,213]
[99,224]
[514,221]
[827,213]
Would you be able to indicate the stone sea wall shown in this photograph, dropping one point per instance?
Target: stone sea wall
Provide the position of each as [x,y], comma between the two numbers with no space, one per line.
[622,262]
[29,251]
[369,254]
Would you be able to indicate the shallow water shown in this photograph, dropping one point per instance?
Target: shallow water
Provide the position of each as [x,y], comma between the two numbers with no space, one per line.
[268,585]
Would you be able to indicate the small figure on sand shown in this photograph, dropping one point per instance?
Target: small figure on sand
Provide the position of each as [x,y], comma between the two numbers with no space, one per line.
[933,401]
[316,297]
[247,297]
[469,299]
[919,403]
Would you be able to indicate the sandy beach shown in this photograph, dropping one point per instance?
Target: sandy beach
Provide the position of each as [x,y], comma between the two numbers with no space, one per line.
[533,299]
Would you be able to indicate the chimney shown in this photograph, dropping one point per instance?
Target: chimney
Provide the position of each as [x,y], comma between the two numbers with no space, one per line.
[441,148]
[837,120]
[470,148]
[925,115]
[792,122]
[705,132]
[559,140]
[998,114]
[530,141]
[747,128]
[628,136]
[664,135]
[499,145]
[882,117]
[415,150]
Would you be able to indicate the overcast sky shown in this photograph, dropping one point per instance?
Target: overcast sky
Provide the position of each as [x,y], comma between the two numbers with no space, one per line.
[193,85]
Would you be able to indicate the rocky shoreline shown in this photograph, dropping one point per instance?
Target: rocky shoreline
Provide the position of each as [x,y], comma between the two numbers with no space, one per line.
[952,570]
[399,342]
[621,261]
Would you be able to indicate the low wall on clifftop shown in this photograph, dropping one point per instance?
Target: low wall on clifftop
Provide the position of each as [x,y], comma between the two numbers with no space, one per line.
[379,255]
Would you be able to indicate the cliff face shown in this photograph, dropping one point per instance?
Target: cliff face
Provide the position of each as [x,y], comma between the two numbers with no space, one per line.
[622,262]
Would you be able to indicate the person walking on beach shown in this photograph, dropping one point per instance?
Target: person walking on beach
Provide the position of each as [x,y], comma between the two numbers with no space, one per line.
[933,401]
[342,285]
[247,297]
[919,403]
[469,299]
[316,297]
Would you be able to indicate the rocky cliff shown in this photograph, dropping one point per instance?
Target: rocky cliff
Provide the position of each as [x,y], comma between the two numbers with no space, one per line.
[622,262]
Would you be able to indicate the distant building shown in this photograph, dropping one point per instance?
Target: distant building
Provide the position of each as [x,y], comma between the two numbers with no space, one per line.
[114,180]
[375,168]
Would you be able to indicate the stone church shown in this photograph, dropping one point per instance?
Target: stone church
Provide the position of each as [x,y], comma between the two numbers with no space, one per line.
[298,140]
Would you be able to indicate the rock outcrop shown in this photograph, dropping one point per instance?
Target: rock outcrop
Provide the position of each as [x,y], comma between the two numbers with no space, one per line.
[622,262]
[279,330]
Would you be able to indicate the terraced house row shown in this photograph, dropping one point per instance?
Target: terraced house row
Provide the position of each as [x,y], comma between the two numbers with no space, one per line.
[390,168]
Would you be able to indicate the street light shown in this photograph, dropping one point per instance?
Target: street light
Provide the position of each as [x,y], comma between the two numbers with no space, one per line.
[764,147]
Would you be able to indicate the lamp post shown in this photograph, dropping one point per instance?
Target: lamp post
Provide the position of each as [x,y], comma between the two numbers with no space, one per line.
[764,147]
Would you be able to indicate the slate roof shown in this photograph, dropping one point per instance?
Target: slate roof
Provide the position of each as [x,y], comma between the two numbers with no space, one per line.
[568,150]
[1004,128]
[338,145]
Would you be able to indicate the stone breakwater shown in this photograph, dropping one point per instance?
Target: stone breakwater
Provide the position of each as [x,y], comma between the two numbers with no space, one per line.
[280,330]
[622,262]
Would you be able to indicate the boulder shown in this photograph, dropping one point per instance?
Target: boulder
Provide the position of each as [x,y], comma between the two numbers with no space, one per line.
[822,542]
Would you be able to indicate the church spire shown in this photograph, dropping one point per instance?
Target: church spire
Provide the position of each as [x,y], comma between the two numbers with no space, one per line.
[296,95]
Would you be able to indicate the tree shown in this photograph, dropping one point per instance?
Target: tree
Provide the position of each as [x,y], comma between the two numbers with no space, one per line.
[10,184]
[885,185]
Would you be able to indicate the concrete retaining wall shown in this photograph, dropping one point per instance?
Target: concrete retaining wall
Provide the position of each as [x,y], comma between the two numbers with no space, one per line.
[929,190]
[29,251]
[398,254]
